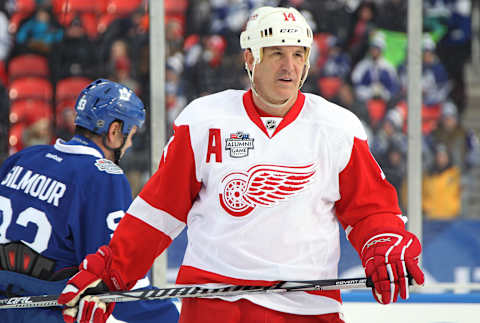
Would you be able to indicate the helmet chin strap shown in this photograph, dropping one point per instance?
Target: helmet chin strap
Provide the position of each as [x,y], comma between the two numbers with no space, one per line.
[117,152]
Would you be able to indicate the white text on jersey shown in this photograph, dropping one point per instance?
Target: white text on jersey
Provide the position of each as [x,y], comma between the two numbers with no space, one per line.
[36,185]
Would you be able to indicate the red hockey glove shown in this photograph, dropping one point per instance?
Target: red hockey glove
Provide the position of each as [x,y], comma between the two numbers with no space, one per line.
[388,259]
[95,275]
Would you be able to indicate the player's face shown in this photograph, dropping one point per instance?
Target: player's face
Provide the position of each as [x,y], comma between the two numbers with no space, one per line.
[277,78]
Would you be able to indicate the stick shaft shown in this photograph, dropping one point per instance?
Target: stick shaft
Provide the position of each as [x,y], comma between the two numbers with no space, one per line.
[193,291]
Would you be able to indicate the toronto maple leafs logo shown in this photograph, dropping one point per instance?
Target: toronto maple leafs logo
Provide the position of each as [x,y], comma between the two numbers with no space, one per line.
[125,94]
[262,185]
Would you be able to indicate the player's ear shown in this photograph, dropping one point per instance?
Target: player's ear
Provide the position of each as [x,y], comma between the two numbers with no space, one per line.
[114,133]
[248,57]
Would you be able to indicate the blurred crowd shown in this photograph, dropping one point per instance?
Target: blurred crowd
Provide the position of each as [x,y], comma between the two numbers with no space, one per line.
[50,49]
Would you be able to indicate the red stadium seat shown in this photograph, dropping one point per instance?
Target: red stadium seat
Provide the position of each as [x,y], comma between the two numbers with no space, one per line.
[116,9]
[329,86]
[176,6]
[23,115]
[376,110]
[28,111]
[15,142]
[430,117]
[121,7]
[30,88]
[66,10]
[69,88]
[76,6]
[28,65]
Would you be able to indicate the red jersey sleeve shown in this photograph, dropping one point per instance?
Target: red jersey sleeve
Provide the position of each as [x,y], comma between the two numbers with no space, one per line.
[160,211]
[368,203]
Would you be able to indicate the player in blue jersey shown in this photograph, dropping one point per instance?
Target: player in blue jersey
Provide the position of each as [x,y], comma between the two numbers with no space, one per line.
[60,202]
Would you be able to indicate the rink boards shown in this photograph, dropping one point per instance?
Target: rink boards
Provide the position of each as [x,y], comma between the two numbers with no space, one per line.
[360,307]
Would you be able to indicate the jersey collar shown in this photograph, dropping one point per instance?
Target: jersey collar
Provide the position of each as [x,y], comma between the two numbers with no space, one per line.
[79,145]
[253,114]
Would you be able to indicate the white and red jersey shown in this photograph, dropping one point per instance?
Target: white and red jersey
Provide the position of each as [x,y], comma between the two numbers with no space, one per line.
[261,198]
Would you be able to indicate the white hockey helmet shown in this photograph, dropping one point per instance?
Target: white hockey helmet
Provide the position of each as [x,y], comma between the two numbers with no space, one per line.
[269,26]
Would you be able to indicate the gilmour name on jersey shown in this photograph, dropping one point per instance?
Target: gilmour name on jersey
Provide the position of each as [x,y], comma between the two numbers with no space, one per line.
[35,185]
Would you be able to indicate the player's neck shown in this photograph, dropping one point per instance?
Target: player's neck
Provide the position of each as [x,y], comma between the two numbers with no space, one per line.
[262,104]
[106,152]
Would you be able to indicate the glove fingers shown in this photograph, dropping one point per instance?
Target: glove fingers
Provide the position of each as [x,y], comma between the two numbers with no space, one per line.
[99,312]
[383,280]
[71,293]
[85,308]
[70,314]
[415,271]
[92,310]
[394,286]
[402,279]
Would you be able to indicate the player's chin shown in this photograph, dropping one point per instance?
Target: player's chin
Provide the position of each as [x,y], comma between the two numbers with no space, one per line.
[286,90]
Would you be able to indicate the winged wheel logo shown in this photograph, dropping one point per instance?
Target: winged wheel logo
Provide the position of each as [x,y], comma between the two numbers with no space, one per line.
[262,185]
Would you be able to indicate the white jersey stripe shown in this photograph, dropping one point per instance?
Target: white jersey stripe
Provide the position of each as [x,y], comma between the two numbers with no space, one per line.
[158,219]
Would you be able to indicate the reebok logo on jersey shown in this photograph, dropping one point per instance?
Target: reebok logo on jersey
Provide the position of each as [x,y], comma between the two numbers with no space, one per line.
[54,157]
[107,166]
[239,143]
[262,185]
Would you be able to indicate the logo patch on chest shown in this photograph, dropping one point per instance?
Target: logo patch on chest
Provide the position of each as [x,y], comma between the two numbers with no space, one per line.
[239,144]
[105,165]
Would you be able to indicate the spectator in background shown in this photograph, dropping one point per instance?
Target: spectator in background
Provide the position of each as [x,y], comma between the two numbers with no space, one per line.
[173,36]
[435,84]
[389,147]
[39,132]
[40,32]
[76,55]
[212,72]
[441,187]
[390,131]
[122,74]
[335,71]
[454,48]
[338,62]
[374,76]
[65,123]
[392,15]
[5,36]
[228,18]
[331,16]
[462,143]
[363,24]
[197,14]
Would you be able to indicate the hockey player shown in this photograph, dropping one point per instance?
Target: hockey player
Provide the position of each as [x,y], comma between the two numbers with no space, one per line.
[262,180]
[59,203]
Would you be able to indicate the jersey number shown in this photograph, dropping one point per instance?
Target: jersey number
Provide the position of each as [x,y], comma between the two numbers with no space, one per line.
[29,215]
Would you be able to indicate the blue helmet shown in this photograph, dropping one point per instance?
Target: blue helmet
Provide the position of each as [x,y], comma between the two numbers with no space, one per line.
[104,101]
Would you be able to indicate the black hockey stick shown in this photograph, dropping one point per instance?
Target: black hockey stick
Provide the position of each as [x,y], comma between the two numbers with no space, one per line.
[194,291]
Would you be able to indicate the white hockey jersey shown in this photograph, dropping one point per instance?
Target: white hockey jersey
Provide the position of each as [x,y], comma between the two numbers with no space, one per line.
[261,198]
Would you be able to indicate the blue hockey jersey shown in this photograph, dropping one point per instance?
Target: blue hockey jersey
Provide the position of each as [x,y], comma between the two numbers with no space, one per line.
[63,201]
